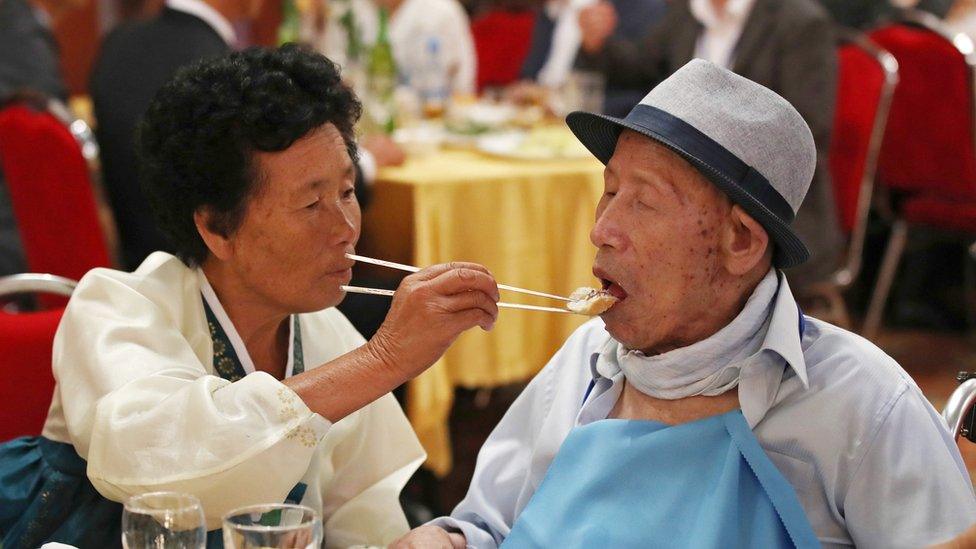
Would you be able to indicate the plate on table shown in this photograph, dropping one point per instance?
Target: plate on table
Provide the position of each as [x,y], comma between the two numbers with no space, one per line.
[553,143]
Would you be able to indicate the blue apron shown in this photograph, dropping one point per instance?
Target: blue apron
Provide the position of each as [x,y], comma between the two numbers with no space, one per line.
[630,483]
[45,494]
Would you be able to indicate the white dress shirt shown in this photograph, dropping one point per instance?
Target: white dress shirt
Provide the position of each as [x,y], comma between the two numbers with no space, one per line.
[139,399]
[210,16]
[410,28]
[871,461]
[566,40]
[722,29]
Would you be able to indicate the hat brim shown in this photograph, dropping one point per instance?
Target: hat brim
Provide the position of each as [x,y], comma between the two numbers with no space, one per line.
[599,134]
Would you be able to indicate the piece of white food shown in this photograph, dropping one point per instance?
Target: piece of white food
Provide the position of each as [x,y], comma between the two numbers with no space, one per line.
[590,301]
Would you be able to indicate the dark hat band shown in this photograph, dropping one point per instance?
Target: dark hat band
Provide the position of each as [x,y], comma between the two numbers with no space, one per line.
[710,156]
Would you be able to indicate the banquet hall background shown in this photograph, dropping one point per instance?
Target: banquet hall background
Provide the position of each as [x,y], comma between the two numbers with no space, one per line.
[466,159]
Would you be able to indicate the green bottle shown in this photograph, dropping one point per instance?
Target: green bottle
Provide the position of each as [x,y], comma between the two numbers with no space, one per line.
[381,73]
[291,22]
[354,41]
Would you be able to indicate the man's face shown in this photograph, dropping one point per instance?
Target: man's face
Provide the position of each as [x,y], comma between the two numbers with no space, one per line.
[303,217]
[658,228]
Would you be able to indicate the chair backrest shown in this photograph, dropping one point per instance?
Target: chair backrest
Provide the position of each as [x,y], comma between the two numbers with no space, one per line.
[867,78]
[929,144]
[501,42]
[50,189]
[959,408]
[25,363]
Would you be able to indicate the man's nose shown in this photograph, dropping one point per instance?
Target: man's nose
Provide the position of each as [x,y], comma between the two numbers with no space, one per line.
[606,231]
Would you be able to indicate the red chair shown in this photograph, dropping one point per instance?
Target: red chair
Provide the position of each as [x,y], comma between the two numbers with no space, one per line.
[501,42]
[867,77]
[51,193]
[928,157]
[25,363]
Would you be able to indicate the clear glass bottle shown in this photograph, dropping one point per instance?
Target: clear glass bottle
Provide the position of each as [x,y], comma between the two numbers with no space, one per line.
[432,80]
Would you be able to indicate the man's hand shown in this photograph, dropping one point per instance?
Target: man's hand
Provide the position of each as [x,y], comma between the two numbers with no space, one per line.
[430,310]
[430,537]
[384,150]
[597,23]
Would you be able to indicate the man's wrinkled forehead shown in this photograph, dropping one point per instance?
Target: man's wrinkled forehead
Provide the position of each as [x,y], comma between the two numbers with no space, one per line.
[646,160]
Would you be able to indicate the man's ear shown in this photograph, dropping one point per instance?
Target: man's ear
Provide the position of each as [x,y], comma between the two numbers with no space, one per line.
[745,243]
[218,243]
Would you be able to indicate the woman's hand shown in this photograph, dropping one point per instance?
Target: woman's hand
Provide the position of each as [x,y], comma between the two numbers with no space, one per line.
[430,310]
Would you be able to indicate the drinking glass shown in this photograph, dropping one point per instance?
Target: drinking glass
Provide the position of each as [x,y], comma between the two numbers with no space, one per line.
[582,91]
[163,520]
[279,526]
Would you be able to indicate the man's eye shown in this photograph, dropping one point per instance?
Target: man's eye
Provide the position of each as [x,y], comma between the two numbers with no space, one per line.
[312,205]
[349,193]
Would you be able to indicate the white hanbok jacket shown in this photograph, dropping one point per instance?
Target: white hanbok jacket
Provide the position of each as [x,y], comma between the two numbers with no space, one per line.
[138,398]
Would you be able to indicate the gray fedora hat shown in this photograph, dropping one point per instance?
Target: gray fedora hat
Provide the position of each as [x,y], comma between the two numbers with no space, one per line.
[747,140]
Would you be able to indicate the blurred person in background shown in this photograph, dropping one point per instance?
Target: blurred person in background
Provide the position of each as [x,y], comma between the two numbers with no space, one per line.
[29,57]
[135,60]
[29,62]
[421,32]
[225,371]
[556,39]
[786,45]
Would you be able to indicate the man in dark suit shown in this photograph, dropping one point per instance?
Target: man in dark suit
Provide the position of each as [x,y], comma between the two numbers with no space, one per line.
[785,45]
[635,18]
[135,61]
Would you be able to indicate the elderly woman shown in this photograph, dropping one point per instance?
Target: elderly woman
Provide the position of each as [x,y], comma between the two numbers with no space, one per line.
[704,409]
[225,371]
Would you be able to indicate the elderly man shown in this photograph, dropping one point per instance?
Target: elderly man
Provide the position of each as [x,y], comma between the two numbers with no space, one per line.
[747,423]
[786,45]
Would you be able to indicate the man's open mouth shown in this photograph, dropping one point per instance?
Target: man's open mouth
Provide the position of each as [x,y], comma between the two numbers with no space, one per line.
[609,285]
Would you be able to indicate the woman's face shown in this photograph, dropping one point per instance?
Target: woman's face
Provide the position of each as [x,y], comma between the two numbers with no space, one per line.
[289,250]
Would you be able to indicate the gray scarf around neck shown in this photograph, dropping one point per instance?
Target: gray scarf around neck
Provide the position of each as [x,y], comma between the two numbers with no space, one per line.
[708,367]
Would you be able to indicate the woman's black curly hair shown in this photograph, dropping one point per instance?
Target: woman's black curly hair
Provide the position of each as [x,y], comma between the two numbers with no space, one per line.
[197,138]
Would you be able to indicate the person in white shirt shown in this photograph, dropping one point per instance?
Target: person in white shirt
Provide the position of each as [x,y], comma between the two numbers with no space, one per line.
[703,409]
[225,371]
[412,26]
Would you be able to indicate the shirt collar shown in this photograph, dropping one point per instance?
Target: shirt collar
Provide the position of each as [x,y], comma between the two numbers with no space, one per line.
[231,331]
[210,16]
[735,12]
[759,382]
[784,334]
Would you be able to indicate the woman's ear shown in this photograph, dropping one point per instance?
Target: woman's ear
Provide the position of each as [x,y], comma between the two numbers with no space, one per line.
[218,243]
[745,244]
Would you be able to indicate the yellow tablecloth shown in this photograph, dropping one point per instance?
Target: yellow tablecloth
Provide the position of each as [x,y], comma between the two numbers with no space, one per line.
[528,222]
